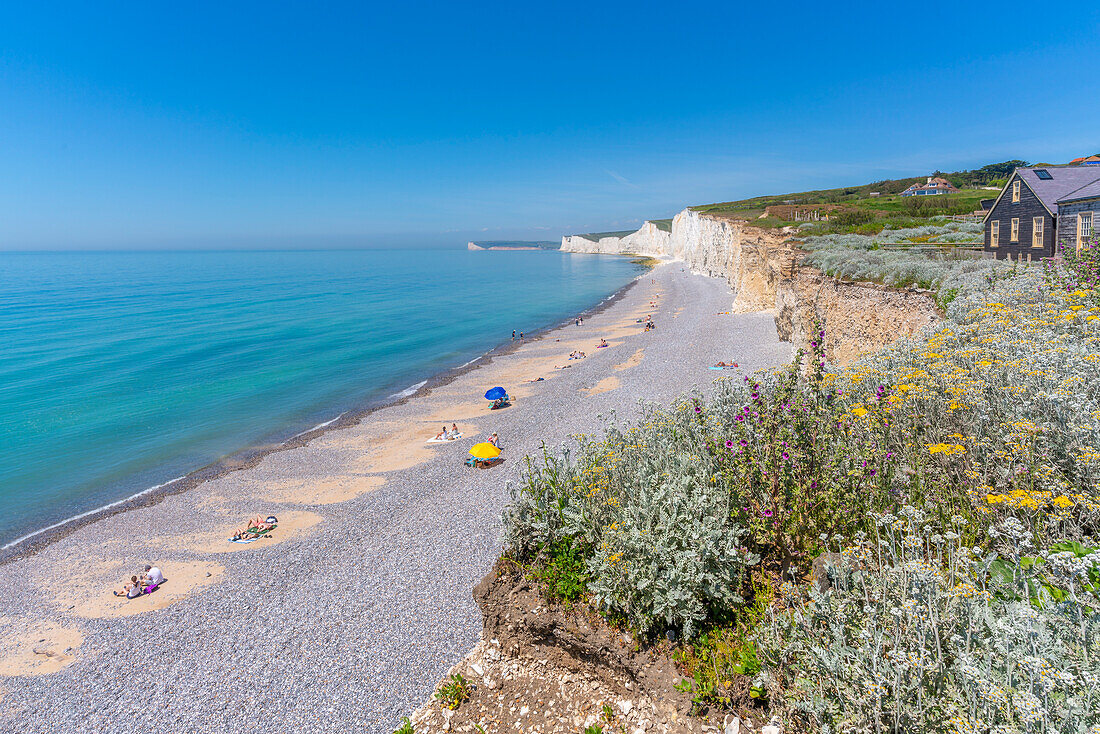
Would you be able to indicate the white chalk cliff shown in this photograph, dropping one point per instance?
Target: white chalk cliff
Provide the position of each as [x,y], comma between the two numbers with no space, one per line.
[762,268]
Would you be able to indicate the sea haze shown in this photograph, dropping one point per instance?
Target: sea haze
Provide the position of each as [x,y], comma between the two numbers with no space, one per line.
[122,370]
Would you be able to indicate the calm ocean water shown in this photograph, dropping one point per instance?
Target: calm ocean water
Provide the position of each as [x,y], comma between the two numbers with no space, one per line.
[119,371]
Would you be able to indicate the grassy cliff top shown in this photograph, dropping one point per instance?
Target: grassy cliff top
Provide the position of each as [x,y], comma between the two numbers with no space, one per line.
[993,174]
[597,236]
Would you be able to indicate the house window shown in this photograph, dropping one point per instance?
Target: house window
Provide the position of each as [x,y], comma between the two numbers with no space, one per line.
[1015,235]
[1084,228]
[1015,192]
[1037,232]
[994,233]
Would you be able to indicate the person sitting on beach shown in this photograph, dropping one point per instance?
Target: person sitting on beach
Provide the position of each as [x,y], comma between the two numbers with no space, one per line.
[131,590]
[152,576]
[454,430]
[494,440]
[603,343]
[442,435]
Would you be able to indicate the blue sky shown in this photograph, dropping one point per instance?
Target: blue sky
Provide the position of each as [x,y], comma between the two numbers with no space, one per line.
[355,124]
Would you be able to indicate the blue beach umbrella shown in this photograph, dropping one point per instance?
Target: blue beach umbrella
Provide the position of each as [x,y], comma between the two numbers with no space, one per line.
[496,393]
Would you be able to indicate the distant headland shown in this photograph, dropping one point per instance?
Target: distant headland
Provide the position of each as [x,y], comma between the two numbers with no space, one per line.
[513,245]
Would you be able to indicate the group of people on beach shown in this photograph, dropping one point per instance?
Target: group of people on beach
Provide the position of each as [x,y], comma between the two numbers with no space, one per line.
[256,526]
[514,335]
[448,434]
[577,354]
[143,582]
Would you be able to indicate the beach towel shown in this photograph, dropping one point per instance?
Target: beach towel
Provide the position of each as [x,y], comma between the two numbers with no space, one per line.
[721,368]
[454,437]
[601,346]
[253,535]
[151,588]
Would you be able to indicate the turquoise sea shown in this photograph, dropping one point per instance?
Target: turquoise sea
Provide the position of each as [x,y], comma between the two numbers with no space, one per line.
[123,370]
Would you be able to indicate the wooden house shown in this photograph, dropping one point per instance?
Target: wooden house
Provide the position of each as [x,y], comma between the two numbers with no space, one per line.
[1027,221]
[1079,216]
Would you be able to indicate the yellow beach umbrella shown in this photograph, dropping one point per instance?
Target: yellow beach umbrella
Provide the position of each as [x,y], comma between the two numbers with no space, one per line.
[484,451]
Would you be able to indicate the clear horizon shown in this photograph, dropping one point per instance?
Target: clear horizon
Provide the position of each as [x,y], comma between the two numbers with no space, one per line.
[352,126]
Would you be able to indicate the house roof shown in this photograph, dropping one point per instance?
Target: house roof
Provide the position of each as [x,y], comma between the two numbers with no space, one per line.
[1064,180]
[1088,191]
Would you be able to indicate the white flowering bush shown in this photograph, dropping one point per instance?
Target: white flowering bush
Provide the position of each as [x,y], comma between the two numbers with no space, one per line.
[916,632]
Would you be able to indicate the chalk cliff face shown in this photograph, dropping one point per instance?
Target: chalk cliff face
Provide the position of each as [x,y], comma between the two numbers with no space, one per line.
[649,240]
[764,274]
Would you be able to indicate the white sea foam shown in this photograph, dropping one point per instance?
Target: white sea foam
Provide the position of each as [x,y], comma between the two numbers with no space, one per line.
[319,425]
[475,359]
[409,390]
[82,515]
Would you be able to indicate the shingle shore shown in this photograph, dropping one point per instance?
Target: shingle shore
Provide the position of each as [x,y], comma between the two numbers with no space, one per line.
[354,622]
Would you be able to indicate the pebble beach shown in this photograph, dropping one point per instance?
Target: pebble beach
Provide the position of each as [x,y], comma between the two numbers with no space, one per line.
[360,601]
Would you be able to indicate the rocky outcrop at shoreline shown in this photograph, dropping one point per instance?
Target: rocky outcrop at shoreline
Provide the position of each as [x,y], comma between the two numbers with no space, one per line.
[764,272]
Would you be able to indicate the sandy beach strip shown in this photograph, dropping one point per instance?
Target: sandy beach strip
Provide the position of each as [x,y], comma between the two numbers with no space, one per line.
[360,599]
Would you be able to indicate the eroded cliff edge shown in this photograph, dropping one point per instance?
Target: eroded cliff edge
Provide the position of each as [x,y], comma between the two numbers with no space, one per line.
[764,272]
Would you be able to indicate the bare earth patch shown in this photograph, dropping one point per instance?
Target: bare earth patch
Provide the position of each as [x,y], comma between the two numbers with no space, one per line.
[633,361]
[88,593]
[36,647]
[604,385]
[291,524]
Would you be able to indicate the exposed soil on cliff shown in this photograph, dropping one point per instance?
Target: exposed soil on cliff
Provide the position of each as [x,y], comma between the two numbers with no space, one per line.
[552,668]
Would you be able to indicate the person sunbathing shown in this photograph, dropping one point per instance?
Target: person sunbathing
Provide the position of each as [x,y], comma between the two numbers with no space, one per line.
[603,343]
[131,590]
[256,526]
[726,364]
[454,430]
[442,435]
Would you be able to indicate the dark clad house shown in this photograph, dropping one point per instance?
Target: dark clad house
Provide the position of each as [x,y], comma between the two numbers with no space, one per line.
[1079,216]
[1026,221]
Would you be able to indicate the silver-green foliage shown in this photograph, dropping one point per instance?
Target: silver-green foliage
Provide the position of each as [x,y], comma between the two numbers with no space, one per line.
[664,551]
[861,257]
[918,633]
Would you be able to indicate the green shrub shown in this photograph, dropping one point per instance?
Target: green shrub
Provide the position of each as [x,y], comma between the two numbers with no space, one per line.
[663,550]
[563,569]
[854,217]
[454,691]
